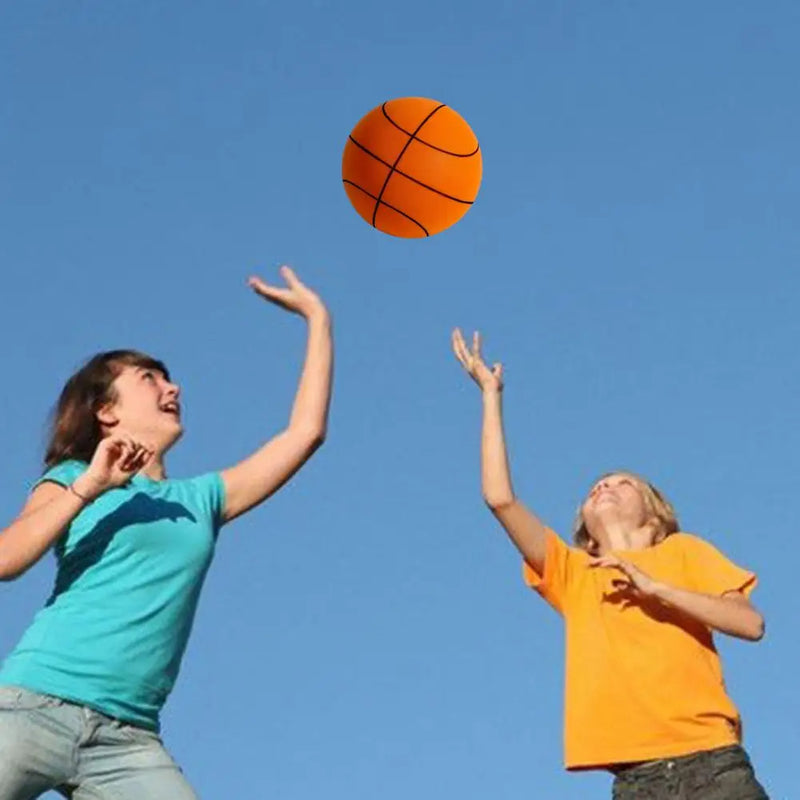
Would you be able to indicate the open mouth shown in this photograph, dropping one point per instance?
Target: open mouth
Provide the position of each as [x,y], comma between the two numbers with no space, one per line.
[173,409]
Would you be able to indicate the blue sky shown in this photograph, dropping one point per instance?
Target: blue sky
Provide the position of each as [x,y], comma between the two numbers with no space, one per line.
[631,258]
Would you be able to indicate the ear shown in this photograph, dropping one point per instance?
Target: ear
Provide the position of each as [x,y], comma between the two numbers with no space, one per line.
[106,415]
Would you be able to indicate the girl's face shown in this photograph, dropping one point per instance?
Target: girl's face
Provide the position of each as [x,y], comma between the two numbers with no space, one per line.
[145,406]
[616,499]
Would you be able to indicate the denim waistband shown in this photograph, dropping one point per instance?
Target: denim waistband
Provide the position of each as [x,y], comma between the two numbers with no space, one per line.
[667,765]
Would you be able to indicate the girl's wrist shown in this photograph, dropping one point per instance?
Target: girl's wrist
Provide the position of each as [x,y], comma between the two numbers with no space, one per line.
[86,488]
[83,498]
[318,315]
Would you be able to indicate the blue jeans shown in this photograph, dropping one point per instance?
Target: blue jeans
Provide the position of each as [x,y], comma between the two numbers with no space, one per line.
[48,743]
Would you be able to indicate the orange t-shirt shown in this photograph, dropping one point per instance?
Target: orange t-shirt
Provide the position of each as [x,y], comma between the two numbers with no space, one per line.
[639,686]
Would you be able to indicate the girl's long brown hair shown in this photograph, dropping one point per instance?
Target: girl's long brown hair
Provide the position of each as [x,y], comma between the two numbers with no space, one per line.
[75,430]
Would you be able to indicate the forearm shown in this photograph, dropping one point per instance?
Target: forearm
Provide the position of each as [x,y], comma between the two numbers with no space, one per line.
[312,401]
[732,615]
[257,477]
[524,529]
[31,535]
[495,473]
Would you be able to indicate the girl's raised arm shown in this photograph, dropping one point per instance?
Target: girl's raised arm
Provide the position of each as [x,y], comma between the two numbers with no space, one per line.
[253,480]
[526,531]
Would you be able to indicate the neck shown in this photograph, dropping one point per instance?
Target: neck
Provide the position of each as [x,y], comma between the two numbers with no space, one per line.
[618,535]
[155,470]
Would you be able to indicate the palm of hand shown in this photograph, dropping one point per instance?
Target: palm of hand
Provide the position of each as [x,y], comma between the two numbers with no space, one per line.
[473,362]
[296,297]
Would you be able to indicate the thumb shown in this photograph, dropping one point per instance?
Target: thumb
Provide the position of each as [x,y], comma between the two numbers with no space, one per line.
[267,291]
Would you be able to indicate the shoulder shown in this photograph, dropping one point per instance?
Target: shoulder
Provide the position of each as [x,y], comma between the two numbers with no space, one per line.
[197,484]
[205,491]
[682,540]
[63,473]
[690,545]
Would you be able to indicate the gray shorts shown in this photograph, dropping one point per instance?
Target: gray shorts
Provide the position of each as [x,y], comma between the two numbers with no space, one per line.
[722,774]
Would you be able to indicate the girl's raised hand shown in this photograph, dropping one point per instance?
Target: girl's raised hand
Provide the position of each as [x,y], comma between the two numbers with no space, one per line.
[296,297]
[472,361]
[117,458]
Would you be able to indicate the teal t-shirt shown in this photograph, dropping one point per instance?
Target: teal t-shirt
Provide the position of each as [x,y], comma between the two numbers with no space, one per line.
[130,569]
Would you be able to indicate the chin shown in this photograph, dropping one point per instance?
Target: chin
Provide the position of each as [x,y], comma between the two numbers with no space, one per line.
[170,436]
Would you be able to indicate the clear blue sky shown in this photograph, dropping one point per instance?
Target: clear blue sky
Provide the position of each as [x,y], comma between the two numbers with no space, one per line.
[631,258]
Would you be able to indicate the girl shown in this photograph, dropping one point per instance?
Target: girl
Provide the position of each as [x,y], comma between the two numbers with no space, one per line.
[81,693]
[644,692]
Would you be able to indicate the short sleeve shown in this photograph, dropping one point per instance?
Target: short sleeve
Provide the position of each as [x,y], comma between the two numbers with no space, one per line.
[63,473]
[559,567]
[713,573]
[209,491]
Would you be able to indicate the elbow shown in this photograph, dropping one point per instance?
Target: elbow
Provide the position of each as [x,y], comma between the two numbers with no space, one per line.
[758,629]
[12,565]
[752,629]
[313,438]
[8,572]
[498,502]
[316,438]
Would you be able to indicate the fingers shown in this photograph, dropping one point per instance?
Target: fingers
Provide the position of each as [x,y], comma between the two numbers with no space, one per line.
[632,573]
[610,562]
[137,459]
[288,274]
[118,446]
[472,361]
[132,458]
[284,298]
[603,561]
[295,297]
[463,353]
[460,348]
[264,289]
[127,454]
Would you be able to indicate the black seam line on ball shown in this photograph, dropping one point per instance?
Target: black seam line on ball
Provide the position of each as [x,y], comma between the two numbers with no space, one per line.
[397,160]
[411,177]
[384,203]
[428,144]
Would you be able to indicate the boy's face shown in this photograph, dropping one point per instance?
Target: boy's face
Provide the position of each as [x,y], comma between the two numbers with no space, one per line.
[616,499]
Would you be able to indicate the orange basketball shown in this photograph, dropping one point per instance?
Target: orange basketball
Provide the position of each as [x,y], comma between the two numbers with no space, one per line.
[412,167]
